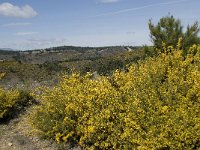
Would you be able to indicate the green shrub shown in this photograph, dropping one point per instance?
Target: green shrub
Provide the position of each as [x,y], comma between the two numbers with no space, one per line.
[155,105]
[12,102]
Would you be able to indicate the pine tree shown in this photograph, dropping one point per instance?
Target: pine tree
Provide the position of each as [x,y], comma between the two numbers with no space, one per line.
[168,31]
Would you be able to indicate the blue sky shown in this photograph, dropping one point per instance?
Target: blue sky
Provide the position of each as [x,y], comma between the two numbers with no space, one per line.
[32,24]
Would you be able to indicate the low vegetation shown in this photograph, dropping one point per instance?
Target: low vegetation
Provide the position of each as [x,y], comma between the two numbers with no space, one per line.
[154,105]
[119,98]
[12,102]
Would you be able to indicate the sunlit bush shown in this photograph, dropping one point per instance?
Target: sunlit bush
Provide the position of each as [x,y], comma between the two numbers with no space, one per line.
[12,101]
[154,105]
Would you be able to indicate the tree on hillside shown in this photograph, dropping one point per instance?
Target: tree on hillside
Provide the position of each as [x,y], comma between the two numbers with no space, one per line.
[168,30]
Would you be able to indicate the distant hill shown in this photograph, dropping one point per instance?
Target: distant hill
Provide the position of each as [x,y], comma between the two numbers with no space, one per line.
[6,49]
[62,53]
[31,66]
[8,55]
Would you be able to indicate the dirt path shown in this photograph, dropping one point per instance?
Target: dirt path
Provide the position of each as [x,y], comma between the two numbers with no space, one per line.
[17,135]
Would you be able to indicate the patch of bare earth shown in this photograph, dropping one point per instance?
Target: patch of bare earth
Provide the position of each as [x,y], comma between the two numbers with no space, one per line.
[18,134]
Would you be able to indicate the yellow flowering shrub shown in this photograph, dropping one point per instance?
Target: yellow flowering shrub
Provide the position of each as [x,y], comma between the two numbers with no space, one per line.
[12,101]
[2,75]
[7,100]
[154,105]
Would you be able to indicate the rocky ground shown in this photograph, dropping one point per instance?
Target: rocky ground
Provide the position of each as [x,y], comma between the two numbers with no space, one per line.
[18,134]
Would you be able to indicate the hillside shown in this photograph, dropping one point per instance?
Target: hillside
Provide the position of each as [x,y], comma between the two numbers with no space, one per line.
[40,65]
[63,53]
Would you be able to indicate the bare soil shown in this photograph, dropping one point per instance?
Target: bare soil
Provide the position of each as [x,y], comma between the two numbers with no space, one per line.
[17,134]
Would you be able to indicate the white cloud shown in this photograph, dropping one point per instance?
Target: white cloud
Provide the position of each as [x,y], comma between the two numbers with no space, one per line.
[109,1]
[16,24]
[33,43]
[25,33]
[9,10]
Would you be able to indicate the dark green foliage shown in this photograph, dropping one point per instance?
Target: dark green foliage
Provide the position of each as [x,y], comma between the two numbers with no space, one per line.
[51,66]
[191,35]
[105,65]
[168,31]
[148,50]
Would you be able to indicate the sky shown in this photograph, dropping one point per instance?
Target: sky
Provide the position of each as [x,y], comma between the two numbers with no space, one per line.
[35,24]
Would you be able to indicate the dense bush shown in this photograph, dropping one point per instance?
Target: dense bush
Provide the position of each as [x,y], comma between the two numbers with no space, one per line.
[12,102]
[155,105]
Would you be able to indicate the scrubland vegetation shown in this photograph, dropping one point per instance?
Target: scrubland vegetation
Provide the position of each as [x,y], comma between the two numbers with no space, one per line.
[154,105]
[12,102]
[145,99]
